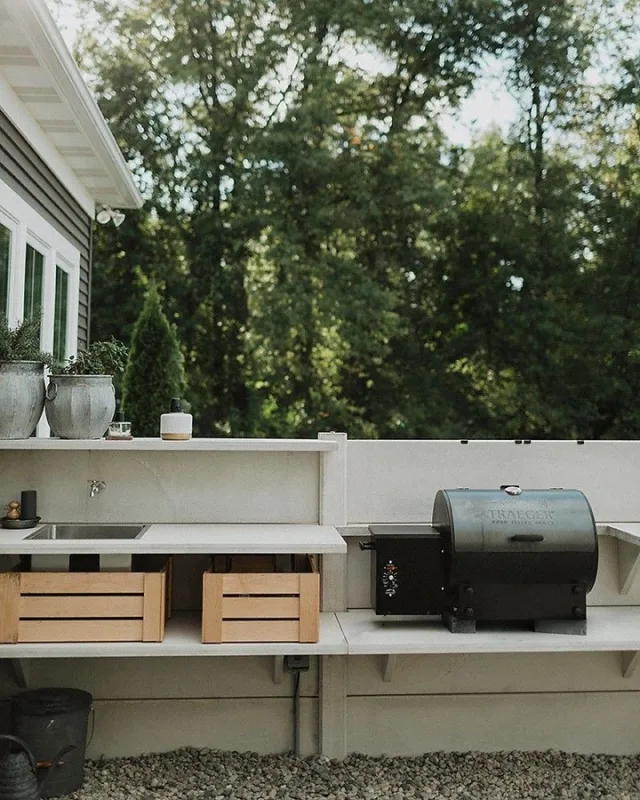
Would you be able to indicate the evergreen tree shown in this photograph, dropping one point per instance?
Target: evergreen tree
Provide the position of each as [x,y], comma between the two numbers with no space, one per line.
[155,371]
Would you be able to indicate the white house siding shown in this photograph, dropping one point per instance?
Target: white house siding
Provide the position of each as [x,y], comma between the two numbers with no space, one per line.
[23,171]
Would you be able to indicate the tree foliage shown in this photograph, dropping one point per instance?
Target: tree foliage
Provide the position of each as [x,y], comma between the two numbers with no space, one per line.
[154,372]
[332,260]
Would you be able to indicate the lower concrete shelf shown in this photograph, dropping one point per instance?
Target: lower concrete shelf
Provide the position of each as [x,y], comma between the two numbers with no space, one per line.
[608,628]
[612,628]
[361,632]
[182,638]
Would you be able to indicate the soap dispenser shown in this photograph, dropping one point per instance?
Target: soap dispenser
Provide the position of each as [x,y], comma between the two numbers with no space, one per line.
[176,425]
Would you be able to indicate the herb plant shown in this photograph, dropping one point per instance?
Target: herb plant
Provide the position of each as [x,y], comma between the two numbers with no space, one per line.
[100,358]
[22,343]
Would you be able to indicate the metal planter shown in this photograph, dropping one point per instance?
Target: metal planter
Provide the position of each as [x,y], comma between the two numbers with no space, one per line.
[80,406]
[21,398]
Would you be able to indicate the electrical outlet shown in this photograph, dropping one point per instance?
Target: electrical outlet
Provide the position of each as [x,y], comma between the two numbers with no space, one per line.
[296,663]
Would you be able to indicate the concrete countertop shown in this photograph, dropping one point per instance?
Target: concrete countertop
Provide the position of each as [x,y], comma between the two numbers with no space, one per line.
[159,445]
[188,538]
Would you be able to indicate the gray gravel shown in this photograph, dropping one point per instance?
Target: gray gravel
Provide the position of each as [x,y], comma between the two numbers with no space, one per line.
[191,774]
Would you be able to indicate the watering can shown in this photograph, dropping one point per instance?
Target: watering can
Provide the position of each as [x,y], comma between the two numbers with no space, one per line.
[19,770]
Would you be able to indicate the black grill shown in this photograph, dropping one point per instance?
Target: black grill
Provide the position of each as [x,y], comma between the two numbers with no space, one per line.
[491,555]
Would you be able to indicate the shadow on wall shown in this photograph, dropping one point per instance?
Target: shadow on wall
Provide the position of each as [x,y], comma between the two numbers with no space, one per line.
[8,687]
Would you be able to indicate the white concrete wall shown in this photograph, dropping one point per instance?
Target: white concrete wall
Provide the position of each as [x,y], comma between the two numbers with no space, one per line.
[577,702]
[166,487]
[396,481]
[147,705]
[572,722]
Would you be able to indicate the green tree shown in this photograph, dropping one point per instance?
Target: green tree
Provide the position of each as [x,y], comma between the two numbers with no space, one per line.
[155,371]
[331,260]
[242,120]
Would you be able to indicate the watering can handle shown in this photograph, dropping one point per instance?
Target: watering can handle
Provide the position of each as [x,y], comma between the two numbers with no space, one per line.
[56,762]
[24,746]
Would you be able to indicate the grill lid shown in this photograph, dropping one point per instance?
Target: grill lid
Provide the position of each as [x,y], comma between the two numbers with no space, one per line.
[513,519]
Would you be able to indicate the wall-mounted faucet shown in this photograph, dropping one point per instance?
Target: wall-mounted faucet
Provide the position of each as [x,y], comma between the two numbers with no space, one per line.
[95,487]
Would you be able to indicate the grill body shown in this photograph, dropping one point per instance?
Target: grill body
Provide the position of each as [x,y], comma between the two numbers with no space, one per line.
[492,555]
[408,570]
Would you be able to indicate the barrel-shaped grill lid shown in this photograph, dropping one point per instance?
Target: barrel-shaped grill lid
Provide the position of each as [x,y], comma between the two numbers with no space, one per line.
[504,519]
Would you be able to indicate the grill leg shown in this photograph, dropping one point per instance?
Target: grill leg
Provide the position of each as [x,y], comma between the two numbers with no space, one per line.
[458,624]
[575,627]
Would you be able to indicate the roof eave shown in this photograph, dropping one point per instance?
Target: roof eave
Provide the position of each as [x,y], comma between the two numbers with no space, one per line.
[47,41]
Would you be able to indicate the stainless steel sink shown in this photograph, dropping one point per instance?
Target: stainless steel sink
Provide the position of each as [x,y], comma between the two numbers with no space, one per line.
[82,530]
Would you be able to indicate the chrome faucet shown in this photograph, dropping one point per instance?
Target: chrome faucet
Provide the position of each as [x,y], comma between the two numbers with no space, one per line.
[95,487]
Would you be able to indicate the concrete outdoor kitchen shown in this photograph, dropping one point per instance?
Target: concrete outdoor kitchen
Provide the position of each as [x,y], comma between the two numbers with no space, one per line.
[427,689]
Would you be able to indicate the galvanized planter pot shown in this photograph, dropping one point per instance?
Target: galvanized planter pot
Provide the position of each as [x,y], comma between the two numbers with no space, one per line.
[80,406]
[21,398]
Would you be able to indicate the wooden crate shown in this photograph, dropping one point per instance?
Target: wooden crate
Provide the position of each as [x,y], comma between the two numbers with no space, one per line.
[84,606]
[261,599]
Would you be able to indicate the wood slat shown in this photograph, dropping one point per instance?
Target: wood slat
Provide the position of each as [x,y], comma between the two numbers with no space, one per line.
[260,631]
[82,583]
[77,630]
[261,583]
[212,607]
[9,605]
[162,611]
[169,590]
[261,607]
[153,618]
[309,607]
[47,607]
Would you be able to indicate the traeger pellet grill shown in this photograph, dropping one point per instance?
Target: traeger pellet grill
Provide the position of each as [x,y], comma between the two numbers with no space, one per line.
[491,555]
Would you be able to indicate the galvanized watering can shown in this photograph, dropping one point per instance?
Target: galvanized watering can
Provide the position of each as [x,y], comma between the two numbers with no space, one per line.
[19,771]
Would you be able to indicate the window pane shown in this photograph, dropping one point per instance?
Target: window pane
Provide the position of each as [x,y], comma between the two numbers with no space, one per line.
[5,256]
[33,282]
[60,318]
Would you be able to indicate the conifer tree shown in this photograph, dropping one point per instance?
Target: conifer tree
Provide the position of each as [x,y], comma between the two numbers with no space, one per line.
[155,370]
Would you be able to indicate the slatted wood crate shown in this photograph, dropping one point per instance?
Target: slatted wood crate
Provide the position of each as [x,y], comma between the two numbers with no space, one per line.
[84,606]
[261,599]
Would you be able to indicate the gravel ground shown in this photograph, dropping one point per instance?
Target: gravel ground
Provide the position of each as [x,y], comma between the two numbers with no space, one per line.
[191,774]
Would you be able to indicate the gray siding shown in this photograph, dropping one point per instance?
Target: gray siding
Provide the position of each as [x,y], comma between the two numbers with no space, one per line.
[26,173]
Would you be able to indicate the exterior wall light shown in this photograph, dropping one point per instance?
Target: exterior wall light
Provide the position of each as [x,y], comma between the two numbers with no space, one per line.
[107,214]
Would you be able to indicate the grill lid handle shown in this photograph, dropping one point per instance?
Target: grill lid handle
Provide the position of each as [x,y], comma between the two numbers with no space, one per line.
[511,488]
[526,537]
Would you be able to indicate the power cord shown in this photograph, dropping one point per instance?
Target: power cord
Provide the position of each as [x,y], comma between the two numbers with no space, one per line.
[296,665]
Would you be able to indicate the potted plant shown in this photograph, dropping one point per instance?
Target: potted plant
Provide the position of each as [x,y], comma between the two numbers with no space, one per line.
[22,364]
[80,398]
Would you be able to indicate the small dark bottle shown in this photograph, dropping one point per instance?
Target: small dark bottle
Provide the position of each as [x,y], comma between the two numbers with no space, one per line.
[28,504]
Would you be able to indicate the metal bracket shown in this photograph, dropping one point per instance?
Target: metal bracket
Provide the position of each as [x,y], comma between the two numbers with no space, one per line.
[630,662]
[389,667]
[21,669]
[628,564]
[278,669]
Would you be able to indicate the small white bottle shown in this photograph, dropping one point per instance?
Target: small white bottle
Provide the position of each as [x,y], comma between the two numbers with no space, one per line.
[177,424]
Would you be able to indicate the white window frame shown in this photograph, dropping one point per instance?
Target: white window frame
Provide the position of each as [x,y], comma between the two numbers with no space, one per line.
[71,334]
[27,226]
[12,224]
[46,251]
